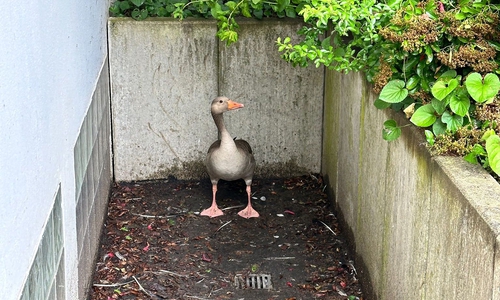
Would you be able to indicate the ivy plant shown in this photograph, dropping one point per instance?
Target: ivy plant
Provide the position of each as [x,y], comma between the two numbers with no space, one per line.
[438,61]
[223,11]
[341,35]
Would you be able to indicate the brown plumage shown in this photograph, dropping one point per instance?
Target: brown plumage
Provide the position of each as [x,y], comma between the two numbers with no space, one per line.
[228,159]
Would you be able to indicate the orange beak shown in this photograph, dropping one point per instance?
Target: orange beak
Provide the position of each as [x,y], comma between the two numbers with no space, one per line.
[233,105]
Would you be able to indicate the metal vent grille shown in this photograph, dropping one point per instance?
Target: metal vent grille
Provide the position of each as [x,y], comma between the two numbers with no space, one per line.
[253,281]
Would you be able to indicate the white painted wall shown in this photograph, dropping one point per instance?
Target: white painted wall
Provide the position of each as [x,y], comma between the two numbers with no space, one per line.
[51,53]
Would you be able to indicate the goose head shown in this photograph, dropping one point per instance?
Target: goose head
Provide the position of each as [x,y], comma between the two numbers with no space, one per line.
[222,104]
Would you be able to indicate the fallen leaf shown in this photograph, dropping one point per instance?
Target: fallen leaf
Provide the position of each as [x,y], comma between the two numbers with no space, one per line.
[206,258]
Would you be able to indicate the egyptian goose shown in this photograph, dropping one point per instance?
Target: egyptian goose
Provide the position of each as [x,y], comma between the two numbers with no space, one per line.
[228,159]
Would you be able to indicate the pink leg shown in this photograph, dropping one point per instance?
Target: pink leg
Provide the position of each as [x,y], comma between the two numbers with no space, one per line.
[213,211]
[249,212]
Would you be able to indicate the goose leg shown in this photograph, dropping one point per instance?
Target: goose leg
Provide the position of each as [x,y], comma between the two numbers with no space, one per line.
[213,211]
[249,212]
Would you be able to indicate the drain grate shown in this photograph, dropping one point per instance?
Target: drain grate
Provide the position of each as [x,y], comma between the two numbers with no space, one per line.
[253,281]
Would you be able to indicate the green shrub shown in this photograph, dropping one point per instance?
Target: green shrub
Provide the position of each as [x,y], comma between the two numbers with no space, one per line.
[223,11]
[436,60]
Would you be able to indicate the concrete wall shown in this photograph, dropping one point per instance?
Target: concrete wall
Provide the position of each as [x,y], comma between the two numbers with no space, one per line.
[165,73]
[52,57]
[425,228]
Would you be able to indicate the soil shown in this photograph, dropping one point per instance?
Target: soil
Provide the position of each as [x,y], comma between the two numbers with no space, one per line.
[156,246]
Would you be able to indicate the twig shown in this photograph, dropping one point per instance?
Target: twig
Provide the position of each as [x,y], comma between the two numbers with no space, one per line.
[159,217]
[120,257]
[231,207]
[195,297]
[141,288]
[172,273]
[218,270]
[112,285]
[327,227]
[223,225]
[279,258]
[200,280]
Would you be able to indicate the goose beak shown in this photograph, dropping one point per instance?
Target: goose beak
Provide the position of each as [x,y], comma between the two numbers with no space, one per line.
[234,105]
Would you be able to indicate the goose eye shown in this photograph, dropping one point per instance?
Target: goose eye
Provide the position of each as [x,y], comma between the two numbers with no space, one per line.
[220,101]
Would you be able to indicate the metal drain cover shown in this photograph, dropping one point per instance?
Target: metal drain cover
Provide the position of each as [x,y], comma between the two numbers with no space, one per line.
[253,281]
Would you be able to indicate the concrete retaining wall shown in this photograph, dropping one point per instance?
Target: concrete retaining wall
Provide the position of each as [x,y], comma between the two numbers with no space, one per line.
[425,228]
[165,73]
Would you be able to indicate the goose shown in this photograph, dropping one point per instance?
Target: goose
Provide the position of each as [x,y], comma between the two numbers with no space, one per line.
[228,159]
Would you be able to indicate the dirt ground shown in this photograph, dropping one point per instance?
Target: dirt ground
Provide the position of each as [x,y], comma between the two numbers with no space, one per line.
[155,246]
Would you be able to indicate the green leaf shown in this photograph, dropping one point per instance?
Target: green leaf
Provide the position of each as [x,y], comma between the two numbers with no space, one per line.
[493,150]
[460,16]
[254,268]
[471,158]
[124,5]
[137,2]
[487,134]
[429,54]
[245,10]
[282,4]
[439,106]
[424,83]
[441,88]
[410,64]
[394,91]
[476,153]
[481,89]
[380,104]
[460,104]
[412,82]
[450,74]
[231,5]
[391,130]
[290,12]
[477,149]
[139,14]
[453,122]
[259,14]
[216,10]
[424,116]
[429,136]
[439,127]
[325,44]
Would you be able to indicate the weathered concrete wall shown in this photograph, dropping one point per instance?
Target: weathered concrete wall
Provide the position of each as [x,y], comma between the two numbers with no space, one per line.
[165,73]
[425,228]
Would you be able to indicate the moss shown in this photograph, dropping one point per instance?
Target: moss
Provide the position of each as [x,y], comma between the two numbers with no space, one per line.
[286,169]
[183,171]
[197,170]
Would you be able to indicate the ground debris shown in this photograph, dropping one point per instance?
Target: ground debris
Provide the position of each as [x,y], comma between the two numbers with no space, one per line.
[156,246]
